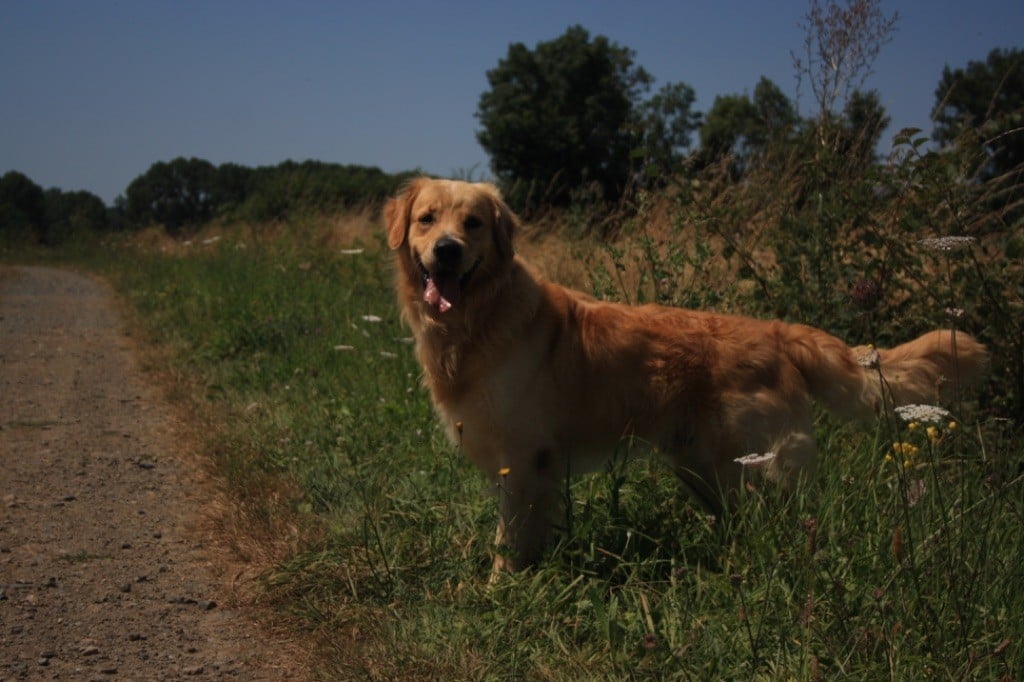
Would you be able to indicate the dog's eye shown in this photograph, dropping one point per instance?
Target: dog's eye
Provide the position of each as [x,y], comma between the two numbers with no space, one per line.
[426,219]
[472,222]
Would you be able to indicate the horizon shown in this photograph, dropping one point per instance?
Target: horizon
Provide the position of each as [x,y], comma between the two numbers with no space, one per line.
[95,94]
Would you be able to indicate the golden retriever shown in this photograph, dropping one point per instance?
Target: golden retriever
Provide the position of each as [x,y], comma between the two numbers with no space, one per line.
[537,382]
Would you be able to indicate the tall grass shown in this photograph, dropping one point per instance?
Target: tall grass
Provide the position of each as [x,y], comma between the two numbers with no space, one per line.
[902,560]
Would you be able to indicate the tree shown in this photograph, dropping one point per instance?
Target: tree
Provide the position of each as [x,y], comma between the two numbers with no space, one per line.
[231,185]
[69,213]
[985,100]
[566,114]
[175,193]
[740,127]
[864,120]
[665,124]
[840,46]
[22,206]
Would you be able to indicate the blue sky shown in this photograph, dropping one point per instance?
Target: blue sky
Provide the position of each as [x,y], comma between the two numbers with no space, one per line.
[92,93]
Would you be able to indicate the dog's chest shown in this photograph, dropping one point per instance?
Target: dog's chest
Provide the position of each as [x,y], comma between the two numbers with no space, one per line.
[492,405]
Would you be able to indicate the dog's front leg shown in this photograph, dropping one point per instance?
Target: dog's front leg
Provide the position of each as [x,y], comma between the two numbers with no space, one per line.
[529,500]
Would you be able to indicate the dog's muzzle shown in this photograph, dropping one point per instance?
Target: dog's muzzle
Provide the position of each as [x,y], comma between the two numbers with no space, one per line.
[443,285]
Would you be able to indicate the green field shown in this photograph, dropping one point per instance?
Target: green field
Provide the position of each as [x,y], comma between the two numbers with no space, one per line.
[901,560]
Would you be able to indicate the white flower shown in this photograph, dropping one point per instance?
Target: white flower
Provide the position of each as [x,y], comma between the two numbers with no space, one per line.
[869,359]
[929,414]
[371,318]
[947,244]
[351,252]
[755,460]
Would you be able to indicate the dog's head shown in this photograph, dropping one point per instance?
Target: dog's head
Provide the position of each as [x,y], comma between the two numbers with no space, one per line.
[453,237]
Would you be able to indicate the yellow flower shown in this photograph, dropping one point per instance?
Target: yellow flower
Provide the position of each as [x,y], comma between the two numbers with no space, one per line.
[952,426]
[907,450]
[914,426]
[933,434]
[504,471]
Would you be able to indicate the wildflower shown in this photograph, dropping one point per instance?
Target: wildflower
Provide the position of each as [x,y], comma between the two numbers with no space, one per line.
[913,426]
[371,318]
[351,252]
[947,244]
[865,294]
[504,471]
[906,450]
[869,358]
[458,426]
[933,434]
[931,414]
[915,491]
[755,460]
[952,426]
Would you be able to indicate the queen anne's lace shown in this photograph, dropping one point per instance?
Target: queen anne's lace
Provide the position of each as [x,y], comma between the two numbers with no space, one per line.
[947,244]
[929,414]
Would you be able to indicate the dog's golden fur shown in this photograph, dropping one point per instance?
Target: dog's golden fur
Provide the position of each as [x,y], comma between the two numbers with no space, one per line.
[536,381]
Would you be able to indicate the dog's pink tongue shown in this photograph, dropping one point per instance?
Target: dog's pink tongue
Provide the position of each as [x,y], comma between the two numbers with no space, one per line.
[442,293]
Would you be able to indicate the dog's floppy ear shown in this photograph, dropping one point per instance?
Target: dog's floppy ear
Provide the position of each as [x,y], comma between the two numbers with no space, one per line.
[506,222]
[396,214]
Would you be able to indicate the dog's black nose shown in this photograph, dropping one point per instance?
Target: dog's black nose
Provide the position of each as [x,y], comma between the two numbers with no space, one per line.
[448,253]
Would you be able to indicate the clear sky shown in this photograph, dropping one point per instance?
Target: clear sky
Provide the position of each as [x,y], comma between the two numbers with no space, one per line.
[94,92]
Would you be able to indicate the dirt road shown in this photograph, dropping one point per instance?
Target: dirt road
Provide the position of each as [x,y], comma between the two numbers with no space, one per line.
[102,573]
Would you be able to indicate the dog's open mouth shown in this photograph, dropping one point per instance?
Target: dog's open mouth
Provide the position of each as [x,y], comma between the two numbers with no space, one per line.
[443,290]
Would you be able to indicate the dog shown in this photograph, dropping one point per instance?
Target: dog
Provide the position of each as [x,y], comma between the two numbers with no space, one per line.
[536,382]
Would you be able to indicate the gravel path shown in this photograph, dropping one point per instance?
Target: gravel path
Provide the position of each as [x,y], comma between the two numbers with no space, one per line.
[102,572]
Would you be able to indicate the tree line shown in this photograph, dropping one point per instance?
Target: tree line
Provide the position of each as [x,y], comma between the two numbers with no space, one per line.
[188,192]
[577,115]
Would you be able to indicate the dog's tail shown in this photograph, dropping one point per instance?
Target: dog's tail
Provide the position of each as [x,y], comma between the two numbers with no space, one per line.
[857,383]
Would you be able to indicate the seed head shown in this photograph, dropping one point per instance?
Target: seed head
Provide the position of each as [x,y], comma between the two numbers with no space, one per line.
[930,414]
[865,294]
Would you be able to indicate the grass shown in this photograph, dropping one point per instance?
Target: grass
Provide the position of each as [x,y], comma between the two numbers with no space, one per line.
[374,534]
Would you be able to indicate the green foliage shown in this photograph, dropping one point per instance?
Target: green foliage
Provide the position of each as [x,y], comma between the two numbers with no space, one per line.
[174,193]
[665,124]
[982,104]
[30,215]
[740,127]
[74,213]
[22,207]
[290,188]
[569,113]
[191,192]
